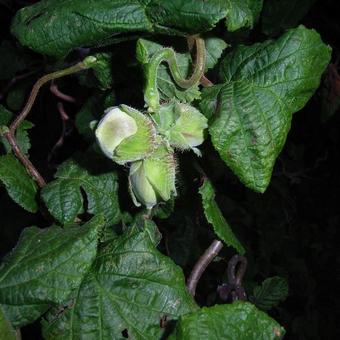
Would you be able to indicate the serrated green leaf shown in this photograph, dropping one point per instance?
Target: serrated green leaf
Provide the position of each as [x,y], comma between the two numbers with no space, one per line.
[56,27]
[242,13]
[46,267]
[240,320]
[166,86]
[6,330]
[278,15]
[64,199]
[264,85]
[214,48]
[214,216]
[130,287]
[271,292]
[21,134]
[20,186]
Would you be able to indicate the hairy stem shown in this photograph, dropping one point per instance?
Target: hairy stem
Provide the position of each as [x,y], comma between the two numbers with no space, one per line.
[10,135]
[202,264]
[151,94]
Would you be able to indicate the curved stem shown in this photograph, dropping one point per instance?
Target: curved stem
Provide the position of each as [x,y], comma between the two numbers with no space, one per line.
[151,94]
[10,135]
[202,264]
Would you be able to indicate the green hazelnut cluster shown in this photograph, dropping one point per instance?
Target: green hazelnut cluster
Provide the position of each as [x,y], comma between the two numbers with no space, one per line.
[147,143]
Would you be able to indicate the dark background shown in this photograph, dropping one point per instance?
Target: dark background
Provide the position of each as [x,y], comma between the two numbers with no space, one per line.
[292,230]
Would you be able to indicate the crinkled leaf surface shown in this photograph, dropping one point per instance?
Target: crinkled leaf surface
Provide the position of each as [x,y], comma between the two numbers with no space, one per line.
[272,291]
[46,267]
[56,27]
[263,85]
[166,86]
[21,133]
[6,330]
[64,199]
[130,287]
[242,13]
[278,15]
[215,218]
[240,320]
[20,186]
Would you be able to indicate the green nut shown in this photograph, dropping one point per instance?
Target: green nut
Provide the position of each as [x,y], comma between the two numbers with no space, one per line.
[153,179]
[126,135]
[182,125]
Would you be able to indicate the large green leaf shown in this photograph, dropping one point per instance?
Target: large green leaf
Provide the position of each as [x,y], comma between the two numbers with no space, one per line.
[240,320]
[130,287]
[271,292]
[263,85]
[56,27]
[46,267]
[6,330]
[215,218]
[20,186]
[63,196]
[21,134]
[278,15]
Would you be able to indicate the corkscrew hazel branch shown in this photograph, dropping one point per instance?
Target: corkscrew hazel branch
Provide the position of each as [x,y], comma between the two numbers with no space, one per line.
[151,95]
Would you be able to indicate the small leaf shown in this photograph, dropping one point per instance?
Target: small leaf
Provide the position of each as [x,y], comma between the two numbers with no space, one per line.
[130,287]
[263,85]
[103,70]
[215,218]
[242,14]
[166,86]
[214,49]
[46,267]
[63,196]
[6,330]
[271,292]
[21,133]
[20,186]
[240,320]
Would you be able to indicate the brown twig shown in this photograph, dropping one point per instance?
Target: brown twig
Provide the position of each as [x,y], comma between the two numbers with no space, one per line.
[202,264]
[64,118]
[10,135]
[205,82]
[65,97]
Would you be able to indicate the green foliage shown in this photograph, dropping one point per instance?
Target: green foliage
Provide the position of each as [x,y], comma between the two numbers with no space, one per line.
[130,286]
[100,270]
[46,267]
[78,23]
[166,86]
[20,186]
[64,200]
[271,292]
[21,134]
[6,330]
[216,219]
[264,85]
[240,320]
